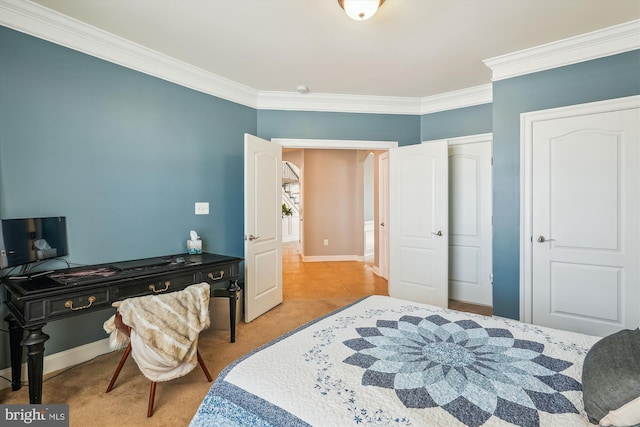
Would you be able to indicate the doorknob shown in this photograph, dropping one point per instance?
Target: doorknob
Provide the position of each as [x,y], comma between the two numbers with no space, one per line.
[541,239]
[252,237]
[439,233]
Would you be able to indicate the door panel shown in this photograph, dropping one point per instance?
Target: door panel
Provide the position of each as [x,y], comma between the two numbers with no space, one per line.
[470,253]
[383,215]
[263,226]
[418,223]
[586,232]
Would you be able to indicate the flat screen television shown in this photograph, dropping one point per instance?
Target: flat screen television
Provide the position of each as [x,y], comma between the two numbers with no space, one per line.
[27,240]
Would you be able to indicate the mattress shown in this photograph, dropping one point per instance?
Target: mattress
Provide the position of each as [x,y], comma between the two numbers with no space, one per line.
[388,362]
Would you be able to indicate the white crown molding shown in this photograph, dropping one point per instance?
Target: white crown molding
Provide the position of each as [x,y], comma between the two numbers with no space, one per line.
[44,23]
[597,44]
[337,144]
[270,100]
[375,104]
[39,21]
[469,97]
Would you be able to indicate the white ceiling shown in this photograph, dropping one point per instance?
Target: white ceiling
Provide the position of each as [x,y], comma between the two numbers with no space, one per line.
[410,48]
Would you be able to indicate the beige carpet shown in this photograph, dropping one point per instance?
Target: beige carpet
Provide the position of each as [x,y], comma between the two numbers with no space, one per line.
[83,387]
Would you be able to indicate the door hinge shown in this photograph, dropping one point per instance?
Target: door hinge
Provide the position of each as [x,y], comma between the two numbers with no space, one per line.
[491,278]
[491,160]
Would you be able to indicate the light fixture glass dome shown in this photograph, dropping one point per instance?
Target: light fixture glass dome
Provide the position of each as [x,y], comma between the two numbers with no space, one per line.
[360,10]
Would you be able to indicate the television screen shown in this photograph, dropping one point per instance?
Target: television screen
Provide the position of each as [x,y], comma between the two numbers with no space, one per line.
[27,240]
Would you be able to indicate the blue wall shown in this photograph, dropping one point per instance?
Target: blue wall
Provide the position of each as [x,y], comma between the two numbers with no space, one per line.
[122,155]
[606,78]
[454,123]
[404,129]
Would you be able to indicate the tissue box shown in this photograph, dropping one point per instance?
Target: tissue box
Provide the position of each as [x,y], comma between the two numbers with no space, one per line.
[194,247]
[46,253]
[219,311]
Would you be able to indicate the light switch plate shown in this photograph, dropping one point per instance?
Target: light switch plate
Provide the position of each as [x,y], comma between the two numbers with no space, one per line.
[202,208]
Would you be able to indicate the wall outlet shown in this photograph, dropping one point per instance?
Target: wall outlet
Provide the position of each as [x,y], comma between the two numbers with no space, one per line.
[202,208]
[326,242]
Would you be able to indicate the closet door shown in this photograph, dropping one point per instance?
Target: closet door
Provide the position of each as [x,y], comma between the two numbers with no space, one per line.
[585,227]
[470,230]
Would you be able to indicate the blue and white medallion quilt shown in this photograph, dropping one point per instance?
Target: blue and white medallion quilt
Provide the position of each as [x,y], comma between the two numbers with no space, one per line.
[388,362]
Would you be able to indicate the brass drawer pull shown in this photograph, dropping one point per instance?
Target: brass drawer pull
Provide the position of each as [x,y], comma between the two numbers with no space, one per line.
[69,304]
[152,287]
[210,275]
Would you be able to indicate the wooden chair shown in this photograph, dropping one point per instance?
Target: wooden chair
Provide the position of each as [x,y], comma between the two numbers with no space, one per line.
[152,392]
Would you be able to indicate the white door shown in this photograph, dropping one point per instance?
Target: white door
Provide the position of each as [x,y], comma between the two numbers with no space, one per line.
[383,215]
[418,223]
[262,225]
[301,213]
[470,252]
[585,227]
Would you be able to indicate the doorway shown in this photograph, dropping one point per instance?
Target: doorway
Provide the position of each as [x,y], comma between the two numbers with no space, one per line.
[362,148]
[291,197]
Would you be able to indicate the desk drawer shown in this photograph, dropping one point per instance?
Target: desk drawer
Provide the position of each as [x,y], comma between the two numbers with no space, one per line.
[219,276]
[169,283]
[79,303]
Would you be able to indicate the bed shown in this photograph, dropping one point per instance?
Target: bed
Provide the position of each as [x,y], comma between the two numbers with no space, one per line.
[388,362]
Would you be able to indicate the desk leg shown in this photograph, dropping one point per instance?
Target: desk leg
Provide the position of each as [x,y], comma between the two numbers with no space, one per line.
[15,336]
[34,342]
[233,298]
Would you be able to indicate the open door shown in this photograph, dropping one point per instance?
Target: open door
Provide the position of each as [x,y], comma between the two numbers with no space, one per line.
[383,215]
[418,223]
[262,226]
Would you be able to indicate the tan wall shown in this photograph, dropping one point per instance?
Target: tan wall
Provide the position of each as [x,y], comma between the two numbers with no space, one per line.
[343,226]
[333,203]
[295,156]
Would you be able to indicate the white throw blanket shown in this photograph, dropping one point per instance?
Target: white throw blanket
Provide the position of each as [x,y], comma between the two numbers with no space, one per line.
[165,330]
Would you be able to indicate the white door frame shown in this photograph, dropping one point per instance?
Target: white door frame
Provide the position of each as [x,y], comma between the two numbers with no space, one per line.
[382,269]
[335,144]
[332,144]
[527,121]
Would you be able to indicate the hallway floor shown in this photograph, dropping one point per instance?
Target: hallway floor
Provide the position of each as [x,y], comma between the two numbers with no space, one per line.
[335,279]
[339,279]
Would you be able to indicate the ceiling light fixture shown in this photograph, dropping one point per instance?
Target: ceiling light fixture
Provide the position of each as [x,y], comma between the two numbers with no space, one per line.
[360,10]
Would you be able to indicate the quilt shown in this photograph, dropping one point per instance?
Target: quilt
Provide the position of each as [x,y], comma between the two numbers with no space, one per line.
[383,361]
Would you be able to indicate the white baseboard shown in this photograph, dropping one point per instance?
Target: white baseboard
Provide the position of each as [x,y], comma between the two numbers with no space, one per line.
[332,258]
[64,359]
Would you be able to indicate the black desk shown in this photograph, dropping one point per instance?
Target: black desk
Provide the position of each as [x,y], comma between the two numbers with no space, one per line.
[75,291]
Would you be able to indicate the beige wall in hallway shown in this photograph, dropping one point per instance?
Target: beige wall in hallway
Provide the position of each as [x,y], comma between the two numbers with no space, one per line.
[333,203]
[334,186]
